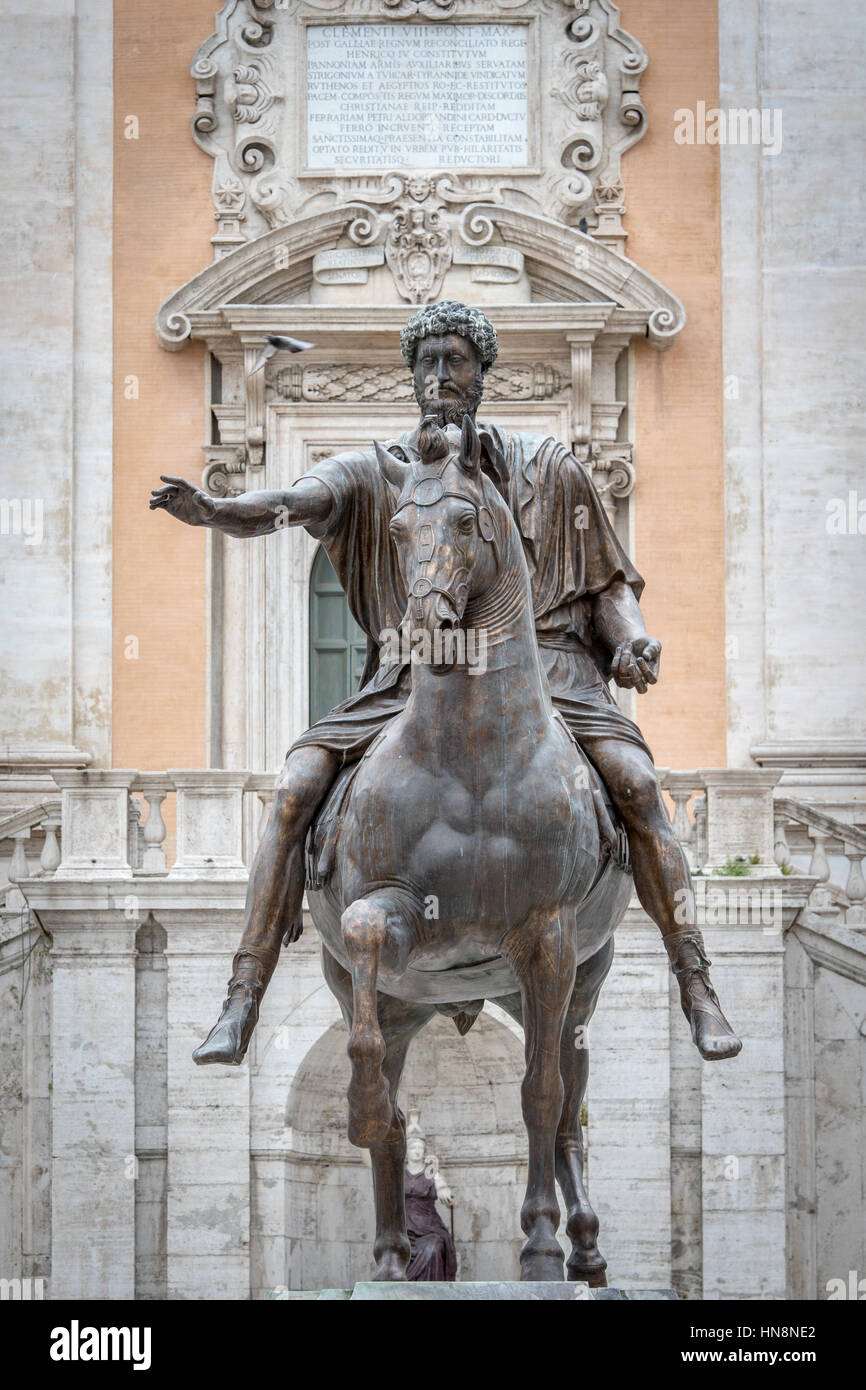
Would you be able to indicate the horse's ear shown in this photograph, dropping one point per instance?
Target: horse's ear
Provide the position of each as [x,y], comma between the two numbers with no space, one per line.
[496,466]
[470,446]
[393,469]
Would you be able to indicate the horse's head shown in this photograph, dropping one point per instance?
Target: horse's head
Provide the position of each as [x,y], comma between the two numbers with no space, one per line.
[447,525]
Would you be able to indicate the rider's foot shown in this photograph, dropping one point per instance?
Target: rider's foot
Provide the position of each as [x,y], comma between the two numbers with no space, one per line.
[228,1040]
[712,1034]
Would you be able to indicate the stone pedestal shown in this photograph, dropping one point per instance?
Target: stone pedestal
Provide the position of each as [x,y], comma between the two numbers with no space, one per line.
[628,1106]
[504,1292]
[208,1180]
[743,1121]
[94,815]
[93,1096]
[740,815]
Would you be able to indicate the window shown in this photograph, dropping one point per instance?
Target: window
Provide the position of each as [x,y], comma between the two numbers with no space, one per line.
[338,647]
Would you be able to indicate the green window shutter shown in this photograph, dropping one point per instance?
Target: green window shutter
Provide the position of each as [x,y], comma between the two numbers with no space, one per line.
[338,647]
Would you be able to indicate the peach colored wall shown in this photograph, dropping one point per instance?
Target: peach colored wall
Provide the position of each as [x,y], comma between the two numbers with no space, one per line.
[674,233]
[162,226]
[161,231]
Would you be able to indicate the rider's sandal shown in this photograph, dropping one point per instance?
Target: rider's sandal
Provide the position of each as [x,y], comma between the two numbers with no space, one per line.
[712,1034]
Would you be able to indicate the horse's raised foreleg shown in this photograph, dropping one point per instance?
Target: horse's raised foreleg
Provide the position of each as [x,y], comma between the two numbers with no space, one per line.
[373,932]
[585,1261]
[399,1022]
[542,954]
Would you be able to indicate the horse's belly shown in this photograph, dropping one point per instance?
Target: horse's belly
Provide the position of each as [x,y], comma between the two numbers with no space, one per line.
[456,974]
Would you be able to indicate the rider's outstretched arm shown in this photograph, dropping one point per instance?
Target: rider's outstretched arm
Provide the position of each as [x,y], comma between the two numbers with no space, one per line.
[309,502]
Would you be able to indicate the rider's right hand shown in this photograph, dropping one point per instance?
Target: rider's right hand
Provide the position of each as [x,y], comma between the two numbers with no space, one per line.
[183,500]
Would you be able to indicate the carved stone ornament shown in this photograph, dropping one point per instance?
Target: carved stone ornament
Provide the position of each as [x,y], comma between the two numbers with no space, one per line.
[223,473]
[565,122]
[339,381]
[418,251]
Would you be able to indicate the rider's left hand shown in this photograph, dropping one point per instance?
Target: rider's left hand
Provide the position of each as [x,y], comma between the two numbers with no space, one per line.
[636,664]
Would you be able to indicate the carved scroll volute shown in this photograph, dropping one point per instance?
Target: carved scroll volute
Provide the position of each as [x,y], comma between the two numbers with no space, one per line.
[613,474]
[223,473]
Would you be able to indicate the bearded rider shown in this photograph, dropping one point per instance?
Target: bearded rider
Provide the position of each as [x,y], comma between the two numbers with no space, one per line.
[589,626]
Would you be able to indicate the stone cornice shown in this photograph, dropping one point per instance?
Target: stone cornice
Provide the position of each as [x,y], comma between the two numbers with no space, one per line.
[811,753]
[601,290]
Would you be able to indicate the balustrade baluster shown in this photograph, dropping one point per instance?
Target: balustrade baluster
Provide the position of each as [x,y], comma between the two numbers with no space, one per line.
[153,860]
[50,856]
[18,868]
[699,811]
[134,836]
[680,787]
[819,866]
[855,888]
[781,850]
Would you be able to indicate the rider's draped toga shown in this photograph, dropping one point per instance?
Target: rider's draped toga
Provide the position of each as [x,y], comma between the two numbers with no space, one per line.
[572,553]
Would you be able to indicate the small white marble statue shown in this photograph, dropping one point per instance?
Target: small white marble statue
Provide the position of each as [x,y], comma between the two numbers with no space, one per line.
[433,1254]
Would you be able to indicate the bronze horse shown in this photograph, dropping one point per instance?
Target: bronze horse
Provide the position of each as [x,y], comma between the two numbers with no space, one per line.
[468,863]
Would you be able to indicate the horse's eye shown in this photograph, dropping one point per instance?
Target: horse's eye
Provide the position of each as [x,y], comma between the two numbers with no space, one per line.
[466,523]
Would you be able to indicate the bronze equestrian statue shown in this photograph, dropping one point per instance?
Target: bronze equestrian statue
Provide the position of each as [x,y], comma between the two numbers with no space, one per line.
[588,626]
[475,798]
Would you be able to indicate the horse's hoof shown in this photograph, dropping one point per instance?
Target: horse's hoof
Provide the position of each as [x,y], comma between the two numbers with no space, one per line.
[591,1272]
[542,1269]
[542,1263]
[391,1269]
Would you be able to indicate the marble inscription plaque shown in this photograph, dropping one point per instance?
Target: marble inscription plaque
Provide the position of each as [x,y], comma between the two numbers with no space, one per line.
[420,96]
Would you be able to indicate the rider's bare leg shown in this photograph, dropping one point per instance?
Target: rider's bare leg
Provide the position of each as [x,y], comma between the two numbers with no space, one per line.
[664,886]
[274,897]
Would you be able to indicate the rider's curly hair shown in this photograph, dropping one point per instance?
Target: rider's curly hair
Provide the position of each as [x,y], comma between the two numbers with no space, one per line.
[450,316]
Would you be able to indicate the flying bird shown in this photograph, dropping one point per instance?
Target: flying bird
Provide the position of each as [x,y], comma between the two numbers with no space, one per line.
[276,343]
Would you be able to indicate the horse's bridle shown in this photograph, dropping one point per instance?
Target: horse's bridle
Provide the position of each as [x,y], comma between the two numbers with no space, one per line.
[425,490]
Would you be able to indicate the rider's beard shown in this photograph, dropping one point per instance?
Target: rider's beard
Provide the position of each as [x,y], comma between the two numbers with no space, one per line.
[449,407]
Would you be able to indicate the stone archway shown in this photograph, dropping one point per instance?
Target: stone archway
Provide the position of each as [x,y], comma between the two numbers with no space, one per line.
[468,1092]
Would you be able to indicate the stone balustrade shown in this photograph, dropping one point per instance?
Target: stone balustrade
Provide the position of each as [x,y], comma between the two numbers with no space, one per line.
[114,823]
[803,830]
[115,826]
[722,815]
[44,817]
